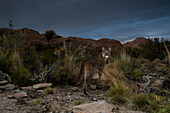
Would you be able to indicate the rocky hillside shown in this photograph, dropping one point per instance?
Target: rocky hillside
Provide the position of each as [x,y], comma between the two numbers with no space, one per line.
[136,42]
[39,71]
[37,39]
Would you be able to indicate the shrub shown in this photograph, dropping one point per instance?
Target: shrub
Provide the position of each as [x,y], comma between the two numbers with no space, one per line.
[6,61]
[153,48]
[150,103]
[21,76]
[49,34]
[118,93]
[125,63]
[140,101]
[138,74]
[37,101]
[78,102]
[49,90]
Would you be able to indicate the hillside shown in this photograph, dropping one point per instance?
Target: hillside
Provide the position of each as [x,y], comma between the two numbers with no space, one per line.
[40,71]
[135,43]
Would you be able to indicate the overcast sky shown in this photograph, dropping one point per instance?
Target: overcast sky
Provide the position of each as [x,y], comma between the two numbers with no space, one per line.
[116,19]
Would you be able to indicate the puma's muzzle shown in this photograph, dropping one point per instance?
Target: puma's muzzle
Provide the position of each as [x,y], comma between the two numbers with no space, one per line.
[106,56]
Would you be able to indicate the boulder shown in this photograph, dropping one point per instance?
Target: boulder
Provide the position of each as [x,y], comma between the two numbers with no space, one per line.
[21,94]
[94,107]
[42,85]
[7,87]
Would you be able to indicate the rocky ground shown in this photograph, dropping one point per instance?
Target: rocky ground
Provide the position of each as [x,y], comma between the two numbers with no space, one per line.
[65,99]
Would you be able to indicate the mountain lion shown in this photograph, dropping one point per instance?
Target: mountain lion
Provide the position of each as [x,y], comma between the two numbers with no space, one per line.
[92,65]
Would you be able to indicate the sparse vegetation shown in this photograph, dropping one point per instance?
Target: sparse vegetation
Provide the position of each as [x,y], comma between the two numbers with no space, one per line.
[60,64]
[140,101]
[150,102]
[125,63]
[78,102]
[36,101]
[49,34]
[119,93]
[10,24]
[138,74]
[49,90]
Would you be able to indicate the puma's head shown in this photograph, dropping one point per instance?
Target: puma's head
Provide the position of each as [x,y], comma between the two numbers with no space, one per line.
[106,53]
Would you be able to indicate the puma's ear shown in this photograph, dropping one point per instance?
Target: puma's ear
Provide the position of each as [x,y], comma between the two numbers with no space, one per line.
[103,48]
[110,49]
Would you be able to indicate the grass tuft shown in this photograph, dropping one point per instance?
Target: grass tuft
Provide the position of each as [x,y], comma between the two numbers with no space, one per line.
[78,102]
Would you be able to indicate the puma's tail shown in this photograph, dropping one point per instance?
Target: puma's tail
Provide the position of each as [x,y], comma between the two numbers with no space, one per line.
[80,77]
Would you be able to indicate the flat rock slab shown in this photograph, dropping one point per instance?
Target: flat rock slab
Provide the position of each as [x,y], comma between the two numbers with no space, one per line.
[94,107]
[7,87]
[21,94]
[28,88]
[42,85]
[3,82]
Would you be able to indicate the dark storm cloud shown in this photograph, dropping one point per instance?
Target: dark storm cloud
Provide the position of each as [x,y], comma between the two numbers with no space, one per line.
[118,19]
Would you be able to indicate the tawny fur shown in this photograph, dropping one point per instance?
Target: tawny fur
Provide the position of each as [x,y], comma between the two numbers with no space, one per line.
[90,66]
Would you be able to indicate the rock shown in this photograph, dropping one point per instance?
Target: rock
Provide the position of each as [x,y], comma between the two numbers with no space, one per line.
[9,96]
[0,91]
[36,94]
[17,90]
[155,74]
[40,92]
[93,87]
[9,108]
[28,88]
[94,107]
[42,85]
[146,78]
[5,76]
[96,76]
[21,101]
[3,82]
[7,87]
[75,89]
[21,94]
[94,99]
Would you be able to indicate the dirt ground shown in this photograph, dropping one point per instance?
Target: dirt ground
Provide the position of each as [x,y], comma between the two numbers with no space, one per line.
[63,99]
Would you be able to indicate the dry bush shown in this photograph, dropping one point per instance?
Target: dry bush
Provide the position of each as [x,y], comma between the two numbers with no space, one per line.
[140,101]
[167,52]
[120,86]
[49,90]
[119,93]
[114,72]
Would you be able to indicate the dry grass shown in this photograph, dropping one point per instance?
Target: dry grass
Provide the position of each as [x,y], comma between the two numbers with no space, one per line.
[49,90]
[114,74]
[120,87]
[115,70]
[167,52]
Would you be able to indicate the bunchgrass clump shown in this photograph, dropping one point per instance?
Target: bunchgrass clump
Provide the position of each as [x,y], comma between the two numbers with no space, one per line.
[49,90]
[37,101]
[78,102]
[140,101]
[150,103]
[125,62]
[119,93]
